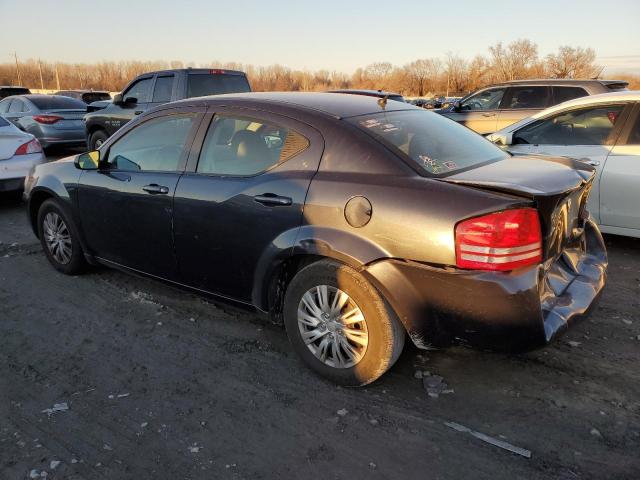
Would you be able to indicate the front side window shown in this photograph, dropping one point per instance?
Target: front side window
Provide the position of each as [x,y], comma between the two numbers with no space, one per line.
[156,145]
[585,126]
[486,100]
[162,90]
[141,90]
[242,146]
[527,97]
[436,144]
[634,134]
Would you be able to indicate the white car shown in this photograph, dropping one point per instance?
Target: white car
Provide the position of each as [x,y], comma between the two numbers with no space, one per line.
[19,152]
[602,130]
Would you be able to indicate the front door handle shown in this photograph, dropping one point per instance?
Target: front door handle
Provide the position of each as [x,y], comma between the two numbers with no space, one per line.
[156,189]
[488,114]
[137,112]
[272,199]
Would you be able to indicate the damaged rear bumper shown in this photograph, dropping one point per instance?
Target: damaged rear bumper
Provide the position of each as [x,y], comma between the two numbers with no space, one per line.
[515,311]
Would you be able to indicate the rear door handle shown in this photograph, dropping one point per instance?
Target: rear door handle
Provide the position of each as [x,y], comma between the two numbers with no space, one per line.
[137,112]
[156,189]
[272,199]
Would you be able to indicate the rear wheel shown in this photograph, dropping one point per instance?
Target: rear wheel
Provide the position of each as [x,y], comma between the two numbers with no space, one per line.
[97,139]
[340,325]
[59,239]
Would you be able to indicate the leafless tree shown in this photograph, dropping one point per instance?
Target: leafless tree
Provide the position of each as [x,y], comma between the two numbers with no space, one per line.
[572,62]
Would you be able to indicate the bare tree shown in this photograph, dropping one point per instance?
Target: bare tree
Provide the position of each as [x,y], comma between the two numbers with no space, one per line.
[515,60]
[572,62]
[422,74]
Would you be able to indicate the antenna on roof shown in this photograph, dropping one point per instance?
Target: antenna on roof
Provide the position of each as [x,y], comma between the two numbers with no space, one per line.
[599,73]
[383,101]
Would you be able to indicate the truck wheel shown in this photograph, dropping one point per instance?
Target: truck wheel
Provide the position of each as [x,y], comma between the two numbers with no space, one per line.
[340,325]
[59,239]
[97,139]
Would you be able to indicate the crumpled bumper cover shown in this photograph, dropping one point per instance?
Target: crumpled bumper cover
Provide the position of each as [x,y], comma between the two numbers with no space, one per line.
[513,311]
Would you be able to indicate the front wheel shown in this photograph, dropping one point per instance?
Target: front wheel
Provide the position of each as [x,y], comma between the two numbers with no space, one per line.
[59,239]
[96,139]
[340,325]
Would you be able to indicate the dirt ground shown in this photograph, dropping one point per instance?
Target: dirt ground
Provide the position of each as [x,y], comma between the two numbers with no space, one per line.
[162,384]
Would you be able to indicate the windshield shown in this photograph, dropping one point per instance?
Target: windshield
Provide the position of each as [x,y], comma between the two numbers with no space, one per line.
[56,102]
[200,85]
[439,146]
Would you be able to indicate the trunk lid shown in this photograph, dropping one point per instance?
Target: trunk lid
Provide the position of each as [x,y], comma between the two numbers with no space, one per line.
[71,119]
[559,188]
[10,139]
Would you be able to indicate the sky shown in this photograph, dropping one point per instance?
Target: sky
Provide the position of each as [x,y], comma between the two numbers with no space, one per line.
[332,35]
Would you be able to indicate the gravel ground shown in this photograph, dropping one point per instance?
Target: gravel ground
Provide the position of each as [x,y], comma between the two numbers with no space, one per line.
[151,382]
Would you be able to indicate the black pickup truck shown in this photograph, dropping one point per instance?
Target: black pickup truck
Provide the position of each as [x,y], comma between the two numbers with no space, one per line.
[155,88]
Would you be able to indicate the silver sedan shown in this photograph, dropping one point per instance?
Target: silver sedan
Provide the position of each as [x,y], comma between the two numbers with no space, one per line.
[52,119]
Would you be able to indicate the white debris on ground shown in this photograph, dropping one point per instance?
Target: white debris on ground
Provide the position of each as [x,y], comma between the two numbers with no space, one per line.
[54,464]
[491,440]
[57,407]
[573,343]
[38,474]
[435,385]
[342,412]
[194,448]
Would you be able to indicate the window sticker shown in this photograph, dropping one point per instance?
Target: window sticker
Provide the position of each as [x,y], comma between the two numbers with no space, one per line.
[451,165]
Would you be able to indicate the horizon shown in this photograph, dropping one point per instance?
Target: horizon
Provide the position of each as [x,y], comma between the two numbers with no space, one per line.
[200,26]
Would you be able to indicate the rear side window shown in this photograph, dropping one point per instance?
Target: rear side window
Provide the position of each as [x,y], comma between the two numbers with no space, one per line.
[564,94]
[202,84]
[17,106]
[436,144]
[56,102]
[241,146]
[141,90]
[527,97]
[585,126]
[163,88]
[4,105]
[156,145]
[634,134]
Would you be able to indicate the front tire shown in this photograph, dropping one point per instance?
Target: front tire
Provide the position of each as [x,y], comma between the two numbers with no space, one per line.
[340,325]
[59,239]
[96,139]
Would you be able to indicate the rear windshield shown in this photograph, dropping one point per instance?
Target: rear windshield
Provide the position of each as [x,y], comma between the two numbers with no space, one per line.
[438,146]
[200,85]
[95,97]
[7,92]
[56,102]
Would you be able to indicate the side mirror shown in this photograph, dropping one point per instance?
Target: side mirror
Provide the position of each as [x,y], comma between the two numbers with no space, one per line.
[456,106]
[130,101]
[88,161]
[117,99]
[501,139]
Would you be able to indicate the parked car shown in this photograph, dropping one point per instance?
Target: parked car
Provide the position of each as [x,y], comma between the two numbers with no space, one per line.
[86,96]
[372,93]
[156,88]
[7,91]
[498,106]
[602,130]
[19,152]
[52,119]
[98,105]
[353,221]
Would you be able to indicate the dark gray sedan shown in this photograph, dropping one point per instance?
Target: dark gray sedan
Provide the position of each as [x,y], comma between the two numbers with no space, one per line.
[357,222]
[52,119]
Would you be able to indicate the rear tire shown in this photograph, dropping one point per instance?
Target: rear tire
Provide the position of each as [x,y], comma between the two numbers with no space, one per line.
[59,239]
[348,349]
[97,138]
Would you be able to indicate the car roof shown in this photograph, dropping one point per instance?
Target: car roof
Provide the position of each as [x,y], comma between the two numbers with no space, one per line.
[562,81]
[371,93]
[13,86]
[219,71]
[336,105]
[82,91]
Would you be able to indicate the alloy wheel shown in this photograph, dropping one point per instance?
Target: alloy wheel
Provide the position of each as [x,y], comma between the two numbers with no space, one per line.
[332,326]
[57,237]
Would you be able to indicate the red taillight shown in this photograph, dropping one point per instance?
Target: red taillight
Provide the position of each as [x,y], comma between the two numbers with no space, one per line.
[47,119]
[499,241]
[216,71]
[32,146]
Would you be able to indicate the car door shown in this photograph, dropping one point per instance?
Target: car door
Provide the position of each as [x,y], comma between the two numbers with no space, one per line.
[126,206]
[120,115]
[522,102]
[584,133]
[479,112]
[242,198]
[620,182]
